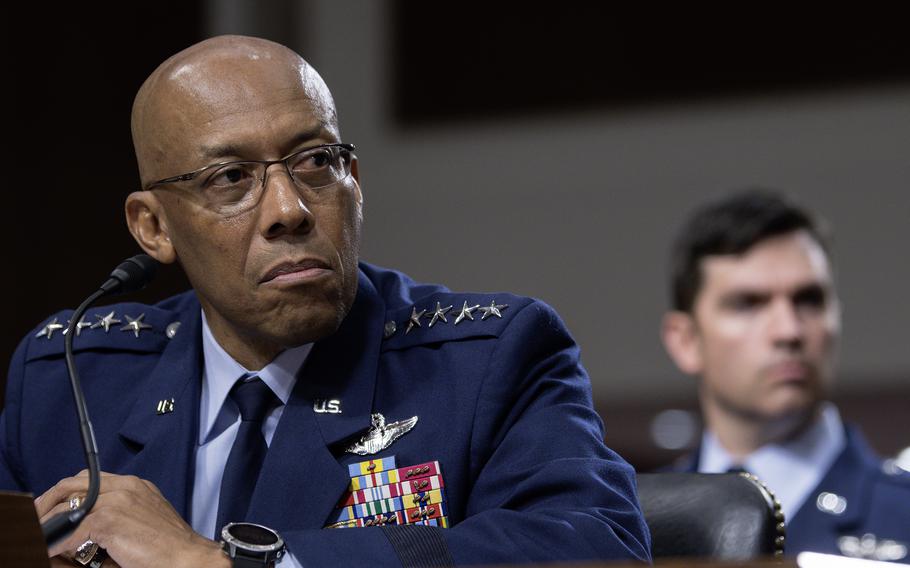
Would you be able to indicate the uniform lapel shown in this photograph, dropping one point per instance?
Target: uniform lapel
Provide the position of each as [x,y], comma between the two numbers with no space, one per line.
[166,442]
[301,480]
[849,478]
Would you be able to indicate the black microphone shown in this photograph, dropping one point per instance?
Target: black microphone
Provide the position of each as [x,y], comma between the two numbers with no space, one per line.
[131,275]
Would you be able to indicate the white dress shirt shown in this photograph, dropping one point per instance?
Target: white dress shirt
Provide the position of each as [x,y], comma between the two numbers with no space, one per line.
[219,419]
[791,469]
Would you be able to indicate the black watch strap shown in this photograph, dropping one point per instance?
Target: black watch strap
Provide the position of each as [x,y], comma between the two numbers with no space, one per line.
[240,561]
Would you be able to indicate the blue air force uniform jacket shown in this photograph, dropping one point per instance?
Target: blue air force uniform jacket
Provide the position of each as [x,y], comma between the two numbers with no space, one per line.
[860,508]
[504,407]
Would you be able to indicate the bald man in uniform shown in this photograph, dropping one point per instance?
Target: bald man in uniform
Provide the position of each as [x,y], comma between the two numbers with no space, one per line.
[360,416]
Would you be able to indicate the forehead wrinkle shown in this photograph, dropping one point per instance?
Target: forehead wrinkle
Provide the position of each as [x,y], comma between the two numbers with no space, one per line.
[237,148]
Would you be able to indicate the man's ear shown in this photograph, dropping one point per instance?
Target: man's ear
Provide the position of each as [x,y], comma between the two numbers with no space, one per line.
[148,225]
[682,341]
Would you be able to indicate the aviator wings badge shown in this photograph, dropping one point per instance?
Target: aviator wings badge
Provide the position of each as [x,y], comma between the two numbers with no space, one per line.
[381,435]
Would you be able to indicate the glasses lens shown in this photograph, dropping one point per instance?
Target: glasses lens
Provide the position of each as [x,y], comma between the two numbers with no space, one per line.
[231,185]
[320,167]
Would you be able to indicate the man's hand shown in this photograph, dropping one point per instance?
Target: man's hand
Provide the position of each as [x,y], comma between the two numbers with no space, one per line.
[132,521]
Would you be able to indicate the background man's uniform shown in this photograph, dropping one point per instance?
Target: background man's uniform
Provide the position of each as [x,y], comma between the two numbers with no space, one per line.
[857,495]
[504,407]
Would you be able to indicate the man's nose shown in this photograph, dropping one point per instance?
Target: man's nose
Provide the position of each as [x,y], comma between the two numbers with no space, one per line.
[786,326]
[282,209]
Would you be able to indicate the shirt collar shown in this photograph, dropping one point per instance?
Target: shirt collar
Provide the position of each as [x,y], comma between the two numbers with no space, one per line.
[791,469]
[221,371]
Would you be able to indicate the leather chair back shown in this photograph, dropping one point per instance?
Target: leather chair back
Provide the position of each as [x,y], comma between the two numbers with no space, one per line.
[724,516]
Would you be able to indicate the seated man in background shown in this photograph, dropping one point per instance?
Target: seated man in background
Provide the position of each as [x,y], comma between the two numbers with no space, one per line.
[366,419]
[756,318]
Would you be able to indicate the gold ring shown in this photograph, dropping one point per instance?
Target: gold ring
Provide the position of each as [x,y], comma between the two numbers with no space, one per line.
[86,553]
[75,502]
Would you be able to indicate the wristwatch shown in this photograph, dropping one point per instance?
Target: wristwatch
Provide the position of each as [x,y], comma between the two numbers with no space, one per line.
[251,546]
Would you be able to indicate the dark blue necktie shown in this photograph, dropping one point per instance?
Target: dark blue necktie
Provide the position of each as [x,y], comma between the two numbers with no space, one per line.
[255,399]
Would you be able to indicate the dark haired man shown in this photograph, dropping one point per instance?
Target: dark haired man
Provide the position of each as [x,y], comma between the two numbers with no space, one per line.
[363,418]
[756,317]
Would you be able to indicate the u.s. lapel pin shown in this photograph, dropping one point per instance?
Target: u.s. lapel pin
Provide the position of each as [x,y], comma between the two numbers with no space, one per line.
[165,406]
[327,406]
[380,435]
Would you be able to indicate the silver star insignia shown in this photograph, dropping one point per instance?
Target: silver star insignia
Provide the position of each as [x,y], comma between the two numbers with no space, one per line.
[438,314]
[415,319]
[381,435]
[492,310]
[135,325]
[466,313]
[49,329]
[106,322]
[79,325]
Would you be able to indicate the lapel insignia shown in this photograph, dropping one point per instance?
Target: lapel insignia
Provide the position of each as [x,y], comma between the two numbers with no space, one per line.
[381,494]
[466,312]
[135,325]
[870,547]
[389,329]
[171,330]
[79,325]
[414,319]
[165,406]
[106,322]
[492,310]
[49,329]
[438,314]
[831,503]
[327,406]
[380,435]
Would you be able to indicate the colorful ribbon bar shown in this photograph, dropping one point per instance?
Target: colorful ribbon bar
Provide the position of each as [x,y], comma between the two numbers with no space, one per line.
[391,490]
[372,508]
[394,476]
[418,514]
[388,520]
[371,466]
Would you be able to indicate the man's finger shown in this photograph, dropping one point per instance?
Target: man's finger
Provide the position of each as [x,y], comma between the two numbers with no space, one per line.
[61,507]
[63,490]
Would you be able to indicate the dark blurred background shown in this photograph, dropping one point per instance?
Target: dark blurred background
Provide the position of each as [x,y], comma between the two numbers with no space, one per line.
[576,137]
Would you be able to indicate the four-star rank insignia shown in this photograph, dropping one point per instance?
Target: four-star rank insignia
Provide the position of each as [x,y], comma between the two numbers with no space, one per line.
[103,322]
[439,313]
[382,494]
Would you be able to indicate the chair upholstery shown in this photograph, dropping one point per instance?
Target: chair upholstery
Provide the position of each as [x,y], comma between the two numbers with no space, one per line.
[724,516]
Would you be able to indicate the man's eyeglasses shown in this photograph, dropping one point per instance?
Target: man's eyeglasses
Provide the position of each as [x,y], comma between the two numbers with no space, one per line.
[234,187]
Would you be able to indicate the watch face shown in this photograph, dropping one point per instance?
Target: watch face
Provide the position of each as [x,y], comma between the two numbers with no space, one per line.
[253,534]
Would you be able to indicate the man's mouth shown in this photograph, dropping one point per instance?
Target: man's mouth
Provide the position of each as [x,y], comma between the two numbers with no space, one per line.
[296,271]
[790,371]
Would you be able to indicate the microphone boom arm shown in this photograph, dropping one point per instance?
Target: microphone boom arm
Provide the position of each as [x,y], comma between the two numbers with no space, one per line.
[62,524]
[132,274]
